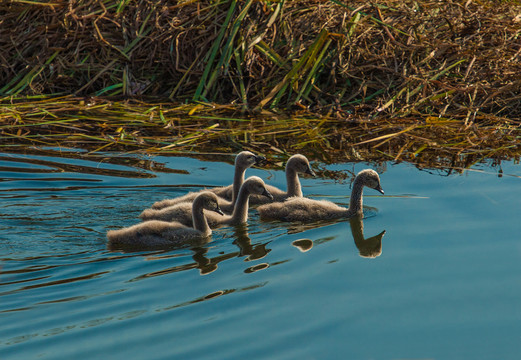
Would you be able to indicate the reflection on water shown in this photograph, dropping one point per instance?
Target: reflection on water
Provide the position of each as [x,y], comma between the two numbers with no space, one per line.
[243,241]
[303,244]
[202,258]
[370,247]
[309,289]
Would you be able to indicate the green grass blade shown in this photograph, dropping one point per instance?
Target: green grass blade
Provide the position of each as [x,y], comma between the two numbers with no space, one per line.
[109,88]
[270,54]
[312,74]
[242,88]
[213,52]
[227,49]
[29,77]
[301,66]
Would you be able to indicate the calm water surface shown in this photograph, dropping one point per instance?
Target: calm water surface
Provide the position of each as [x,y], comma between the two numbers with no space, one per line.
[433,272]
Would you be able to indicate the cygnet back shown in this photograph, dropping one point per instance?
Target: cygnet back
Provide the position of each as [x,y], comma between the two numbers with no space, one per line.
[159,233]
[303,209]
[243,161]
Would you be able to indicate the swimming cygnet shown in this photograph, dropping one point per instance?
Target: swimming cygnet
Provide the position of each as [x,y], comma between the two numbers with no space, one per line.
[303,209]
[160,233]
[181,212]
[243,161]
[295,165]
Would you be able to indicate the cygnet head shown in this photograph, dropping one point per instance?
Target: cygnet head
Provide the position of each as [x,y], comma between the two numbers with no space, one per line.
[300,164]
[246,159]
[208,201]
[370,179]
[255,185]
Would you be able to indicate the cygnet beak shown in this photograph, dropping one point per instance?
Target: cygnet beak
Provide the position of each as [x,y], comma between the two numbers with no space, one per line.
[219,211]
[309,171]
[379,189]
[267,194]
[259,159]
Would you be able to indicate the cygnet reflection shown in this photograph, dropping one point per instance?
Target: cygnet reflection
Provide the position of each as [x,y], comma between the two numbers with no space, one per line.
[367,248]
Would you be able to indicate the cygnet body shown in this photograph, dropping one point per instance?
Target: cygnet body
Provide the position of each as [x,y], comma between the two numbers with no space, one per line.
[180,212]
[296,164]
[243,161]
[160,233]
[303,209]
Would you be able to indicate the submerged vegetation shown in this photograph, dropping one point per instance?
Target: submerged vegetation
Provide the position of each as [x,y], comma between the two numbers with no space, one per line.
[436,83]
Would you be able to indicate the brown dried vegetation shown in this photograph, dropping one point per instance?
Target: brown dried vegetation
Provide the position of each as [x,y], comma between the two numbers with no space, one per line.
[425,81]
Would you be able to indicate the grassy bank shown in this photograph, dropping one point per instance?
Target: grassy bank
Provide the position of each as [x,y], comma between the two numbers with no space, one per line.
[396,58]
[435,83]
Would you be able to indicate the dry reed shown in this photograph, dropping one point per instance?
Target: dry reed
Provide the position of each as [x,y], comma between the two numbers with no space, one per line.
[435,83]
[398,58]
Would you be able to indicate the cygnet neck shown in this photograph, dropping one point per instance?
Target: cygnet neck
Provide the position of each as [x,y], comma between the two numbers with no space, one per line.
[356,201]
[293,183]
[238,180]
[198,218]
[240,211]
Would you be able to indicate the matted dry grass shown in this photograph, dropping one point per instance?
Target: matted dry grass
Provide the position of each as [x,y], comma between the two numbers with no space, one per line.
[398,58]
[434,83]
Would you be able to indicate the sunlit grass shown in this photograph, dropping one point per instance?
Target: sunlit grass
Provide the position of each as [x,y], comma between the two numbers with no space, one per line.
[416,81]
[388,58]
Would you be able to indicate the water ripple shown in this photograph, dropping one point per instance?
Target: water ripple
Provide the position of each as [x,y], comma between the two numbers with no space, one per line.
[267,289]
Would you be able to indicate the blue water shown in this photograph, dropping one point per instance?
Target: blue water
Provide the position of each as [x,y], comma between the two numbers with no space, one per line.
[445,284]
